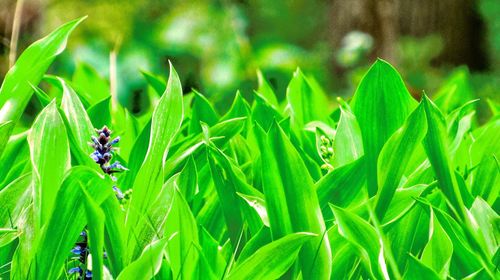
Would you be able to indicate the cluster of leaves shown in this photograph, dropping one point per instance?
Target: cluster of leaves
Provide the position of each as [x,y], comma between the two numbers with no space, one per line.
[410,189]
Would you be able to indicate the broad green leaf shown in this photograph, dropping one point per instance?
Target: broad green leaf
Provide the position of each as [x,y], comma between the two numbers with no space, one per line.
[5,131]
[438,251]
[436,147]
[29,69]
[487,180]
[361,234]
[257,241]
[114,236]
[417,270]
[455,91]
[80,127]
[402,202]
[188,180]
[465,260]
[272,260]
[165,124]
[263,112]
[347,143]
[147,265]
[341,186]
[305,104]
[408,234]
[212,252]
[202,111]
[89,85]
[259,205]
[100,113]
[14,198]
[181,249]
[95,218]
[157,83]
[68,218]
[7,235]
[381,104]
[485,226]
[291,199]
[50,158]
[266,91]
[220,134]
[395,157]
[227,187]
[239,108]
[15,160]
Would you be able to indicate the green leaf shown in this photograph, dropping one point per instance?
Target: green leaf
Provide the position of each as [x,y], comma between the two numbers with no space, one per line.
[436,147]
[14,198]
[95,218]
[147,265]
[455,91]
[165,124]
[266,91]
[259,205]
[188,180]
[361,234]
[181,249]
[89,85]
[438,251]
[417,270]
[5,131]
[78,122]
[485,226]
[272,260]
[114,236]
[29,69]
[157,83]
[68,218]
[100,113]
[305,104]
[395,157]
[291,200]
[202,112]
[381,104]
[331,188]
[50,159]
[347,144]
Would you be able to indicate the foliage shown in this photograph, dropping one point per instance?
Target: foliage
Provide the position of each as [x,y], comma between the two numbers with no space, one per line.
[383,187]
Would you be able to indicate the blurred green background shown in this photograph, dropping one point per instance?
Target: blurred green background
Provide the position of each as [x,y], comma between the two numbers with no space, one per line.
[218,46]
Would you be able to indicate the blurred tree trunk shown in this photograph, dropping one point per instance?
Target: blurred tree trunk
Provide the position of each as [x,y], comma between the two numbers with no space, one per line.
[456,21]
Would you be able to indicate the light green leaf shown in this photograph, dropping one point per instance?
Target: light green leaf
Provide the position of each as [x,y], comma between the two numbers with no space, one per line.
[5,131]
[29,69]
[331,188]
[417,270]
[395,157]
[147,265]
[438,251]
[68,218]
[165,124]
[272,260]
[347,144]
[436,148]
[381,104]
[50,159]
[181,249]
[95,218]
[305,104]
[364,237]
[80,127]
[292,203]
[266,91]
